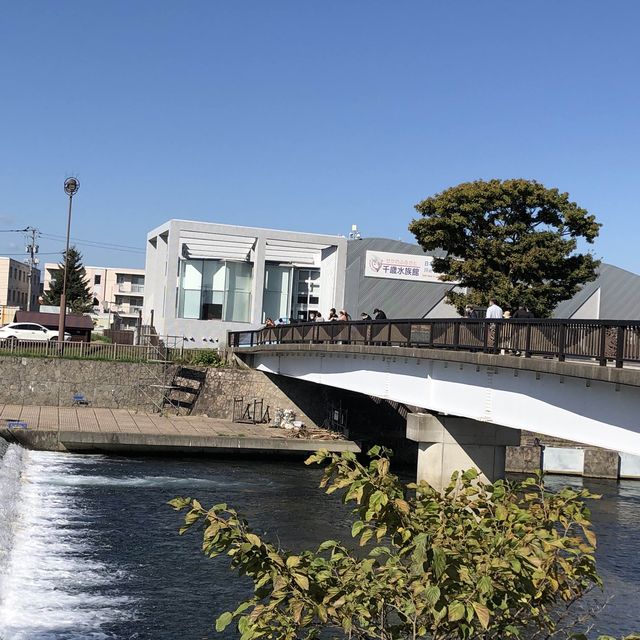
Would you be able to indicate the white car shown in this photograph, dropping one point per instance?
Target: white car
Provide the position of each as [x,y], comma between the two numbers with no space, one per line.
[15,332]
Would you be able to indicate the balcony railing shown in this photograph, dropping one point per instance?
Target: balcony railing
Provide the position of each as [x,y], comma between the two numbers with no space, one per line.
[127,287]
[601,340]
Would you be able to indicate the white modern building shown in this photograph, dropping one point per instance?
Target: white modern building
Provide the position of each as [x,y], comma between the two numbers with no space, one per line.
[204,279]
[118,292]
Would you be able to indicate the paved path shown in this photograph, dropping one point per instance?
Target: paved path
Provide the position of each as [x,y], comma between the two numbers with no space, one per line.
[88,428]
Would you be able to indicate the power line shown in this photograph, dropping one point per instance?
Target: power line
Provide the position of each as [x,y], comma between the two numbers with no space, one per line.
[11,255]
[14,230]
[97,244]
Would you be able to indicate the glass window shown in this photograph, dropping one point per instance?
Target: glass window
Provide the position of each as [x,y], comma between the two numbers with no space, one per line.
[97,279]
[190,289]
[277,282]
[215,290]
[237,307]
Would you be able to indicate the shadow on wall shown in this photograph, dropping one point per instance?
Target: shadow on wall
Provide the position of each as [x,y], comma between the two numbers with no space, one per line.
[369,420]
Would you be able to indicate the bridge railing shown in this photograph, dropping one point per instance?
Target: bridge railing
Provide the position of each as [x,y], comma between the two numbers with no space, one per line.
[601,340]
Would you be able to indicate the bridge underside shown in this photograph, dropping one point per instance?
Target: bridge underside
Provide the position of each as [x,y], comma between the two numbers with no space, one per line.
[596,406]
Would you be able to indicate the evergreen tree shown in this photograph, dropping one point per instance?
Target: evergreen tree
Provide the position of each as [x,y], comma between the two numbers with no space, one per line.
[514,240]
[79,297]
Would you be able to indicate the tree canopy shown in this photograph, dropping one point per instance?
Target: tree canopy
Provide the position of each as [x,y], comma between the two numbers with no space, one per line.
[79,297]
[514,240]
[476,561]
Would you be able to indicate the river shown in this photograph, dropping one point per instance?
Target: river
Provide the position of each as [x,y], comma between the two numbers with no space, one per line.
[90,551]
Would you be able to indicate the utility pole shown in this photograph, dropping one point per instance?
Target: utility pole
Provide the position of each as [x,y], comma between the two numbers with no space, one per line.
[32,248]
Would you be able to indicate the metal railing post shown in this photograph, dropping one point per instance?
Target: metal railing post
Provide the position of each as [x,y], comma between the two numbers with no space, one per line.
[602,355]
[562,341]
[620,346]
[527,342]
[456,335]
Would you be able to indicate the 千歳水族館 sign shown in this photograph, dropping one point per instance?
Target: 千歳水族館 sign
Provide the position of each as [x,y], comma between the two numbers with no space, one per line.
[400,266]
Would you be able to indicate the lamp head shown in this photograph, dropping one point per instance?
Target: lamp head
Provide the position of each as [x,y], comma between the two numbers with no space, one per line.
[71,186]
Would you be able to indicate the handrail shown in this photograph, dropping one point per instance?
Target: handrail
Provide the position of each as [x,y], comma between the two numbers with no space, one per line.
[616,341]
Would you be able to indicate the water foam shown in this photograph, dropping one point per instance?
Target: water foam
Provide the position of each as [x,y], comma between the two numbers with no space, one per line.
[51,587]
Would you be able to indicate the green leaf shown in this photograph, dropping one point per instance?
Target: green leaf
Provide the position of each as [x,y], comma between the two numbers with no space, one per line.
[357,528]
[455,611]
[293,561]
[327,544]
[302,581]
[432,595]
[483,614]
[254,540]
[223,621]
[439,561]
[179,503]
[366,536]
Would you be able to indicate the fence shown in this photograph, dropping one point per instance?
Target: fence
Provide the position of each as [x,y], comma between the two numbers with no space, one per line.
[601,340]
[98,351]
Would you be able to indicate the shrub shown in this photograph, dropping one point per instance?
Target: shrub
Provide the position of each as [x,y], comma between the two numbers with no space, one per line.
[476,561]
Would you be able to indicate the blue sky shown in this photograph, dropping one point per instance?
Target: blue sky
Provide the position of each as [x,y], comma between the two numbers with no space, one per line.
[309,115]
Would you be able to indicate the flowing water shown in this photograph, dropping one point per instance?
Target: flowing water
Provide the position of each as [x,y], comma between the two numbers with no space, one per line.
[90,551]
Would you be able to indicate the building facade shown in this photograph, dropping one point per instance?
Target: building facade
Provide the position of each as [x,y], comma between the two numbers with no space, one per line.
[396,277]
[118,293]
[204,279]
[14,285]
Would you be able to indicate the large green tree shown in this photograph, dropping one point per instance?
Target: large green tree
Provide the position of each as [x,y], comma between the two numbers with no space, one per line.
[474,562]
[79,297]
[514,240]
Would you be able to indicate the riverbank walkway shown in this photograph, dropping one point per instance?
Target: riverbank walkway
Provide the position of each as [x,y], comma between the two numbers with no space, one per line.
[92,429]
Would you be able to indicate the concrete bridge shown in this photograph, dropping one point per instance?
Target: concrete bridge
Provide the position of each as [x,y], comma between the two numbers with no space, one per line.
[579,381]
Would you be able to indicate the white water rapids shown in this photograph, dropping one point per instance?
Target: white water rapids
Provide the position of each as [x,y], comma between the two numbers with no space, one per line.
[50,587]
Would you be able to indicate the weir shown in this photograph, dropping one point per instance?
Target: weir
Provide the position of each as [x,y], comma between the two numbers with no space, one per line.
[49,584]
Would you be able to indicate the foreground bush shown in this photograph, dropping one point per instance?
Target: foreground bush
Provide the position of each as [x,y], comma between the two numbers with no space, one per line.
[494,561]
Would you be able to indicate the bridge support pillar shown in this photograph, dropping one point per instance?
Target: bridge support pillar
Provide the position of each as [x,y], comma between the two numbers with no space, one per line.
[449,443]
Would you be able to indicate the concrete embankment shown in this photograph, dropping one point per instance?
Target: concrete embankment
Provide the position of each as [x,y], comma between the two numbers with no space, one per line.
[120,430]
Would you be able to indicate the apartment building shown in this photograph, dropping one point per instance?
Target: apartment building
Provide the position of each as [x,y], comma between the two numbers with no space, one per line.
[117,292]
[14,285]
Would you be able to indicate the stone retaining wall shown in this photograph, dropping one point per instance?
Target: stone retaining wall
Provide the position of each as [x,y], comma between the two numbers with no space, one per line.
[54,382]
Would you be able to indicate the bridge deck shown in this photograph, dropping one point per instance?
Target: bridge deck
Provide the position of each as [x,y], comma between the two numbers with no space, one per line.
[585,368]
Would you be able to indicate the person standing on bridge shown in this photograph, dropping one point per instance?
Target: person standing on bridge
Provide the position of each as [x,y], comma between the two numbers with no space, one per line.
[379,314]
[470,312]
[523,312]
[493,310]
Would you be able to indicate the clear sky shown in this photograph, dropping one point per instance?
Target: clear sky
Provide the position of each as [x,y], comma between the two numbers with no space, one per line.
[309,115]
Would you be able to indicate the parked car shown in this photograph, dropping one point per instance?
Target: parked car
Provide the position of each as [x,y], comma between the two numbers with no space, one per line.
[15,332]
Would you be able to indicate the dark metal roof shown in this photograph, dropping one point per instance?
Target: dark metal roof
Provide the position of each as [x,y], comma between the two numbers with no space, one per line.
[619,295]
[50,320]
[398,299]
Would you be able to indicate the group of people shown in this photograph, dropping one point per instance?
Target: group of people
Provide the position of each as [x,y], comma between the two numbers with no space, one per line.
[494,311]
[343,316]
[337,316]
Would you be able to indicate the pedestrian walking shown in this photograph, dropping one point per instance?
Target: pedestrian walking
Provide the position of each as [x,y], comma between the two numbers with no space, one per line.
[379,314]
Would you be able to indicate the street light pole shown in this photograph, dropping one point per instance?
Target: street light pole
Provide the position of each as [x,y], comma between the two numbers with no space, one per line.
[71,186]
